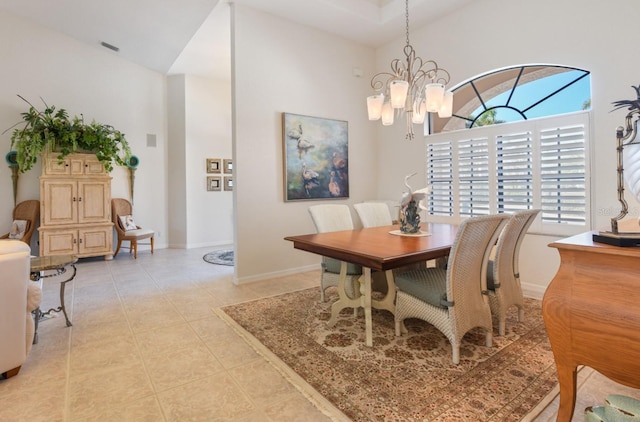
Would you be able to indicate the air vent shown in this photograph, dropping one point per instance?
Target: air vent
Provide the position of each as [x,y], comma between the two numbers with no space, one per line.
[109,46]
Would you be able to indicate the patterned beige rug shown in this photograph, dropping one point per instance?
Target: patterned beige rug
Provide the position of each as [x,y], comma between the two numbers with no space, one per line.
[408,378]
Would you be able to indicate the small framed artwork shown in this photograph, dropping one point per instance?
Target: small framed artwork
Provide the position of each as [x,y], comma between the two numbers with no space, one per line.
[214,183]
[228,183]
[228,165]
[316,152]
[213,165]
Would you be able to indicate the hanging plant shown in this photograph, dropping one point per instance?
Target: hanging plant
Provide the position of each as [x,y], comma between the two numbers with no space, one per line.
[52,130]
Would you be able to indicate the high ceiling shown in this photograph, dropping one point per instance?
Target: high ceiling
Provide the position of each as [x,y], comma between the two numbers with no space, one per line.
[192,36]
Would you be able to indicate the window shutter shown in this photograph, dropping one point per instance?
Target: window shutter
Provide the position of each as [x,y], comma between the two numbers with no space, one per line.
[440,178]
[539,163]
[514,172]
[562,167]
[473,172]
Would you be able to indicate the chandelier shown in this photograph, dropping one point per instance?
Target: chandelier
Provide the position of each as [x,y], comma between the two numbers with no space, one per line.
[414,86]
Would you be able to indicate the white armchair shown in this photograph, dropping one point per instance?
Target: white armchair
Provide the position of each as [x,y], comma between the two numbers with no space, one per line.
[18,297]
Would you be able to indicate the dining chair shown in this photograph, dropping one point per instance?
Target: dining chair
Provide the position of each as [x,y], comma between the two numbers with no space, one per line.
[330,218]
[126,228]
[503,275]
[373,214]
[454,299]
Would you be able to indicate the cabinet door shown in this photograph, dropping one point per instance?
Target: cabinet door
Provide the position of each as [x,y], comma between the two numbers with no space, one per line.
[53,166]
[60,199]
[93,167]
[95,240]
[58,242]
[94,201]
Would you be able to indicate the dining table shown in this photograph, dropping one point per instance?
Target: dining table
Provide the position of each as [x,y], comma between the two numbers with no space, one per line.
[383,248]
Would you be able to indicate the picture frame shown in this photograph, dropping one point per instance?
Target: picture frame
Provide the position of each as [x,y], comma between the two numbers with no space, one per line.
[227,165]
[213,165]
[214,183]
[228,183]
[316,152]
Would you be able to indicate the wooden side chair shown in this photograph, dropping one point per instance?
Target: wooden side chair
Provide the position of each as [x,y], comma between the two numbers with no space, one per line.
[127,229]
[25,218]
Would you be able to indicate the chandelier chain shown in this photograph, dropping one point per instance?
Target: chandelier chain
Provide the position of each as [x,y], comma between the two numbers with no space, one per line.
[406,15]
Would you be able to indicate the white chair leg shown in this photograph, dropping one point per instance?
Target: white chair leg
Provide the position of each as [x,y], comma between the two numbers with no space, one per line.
[489,338]
[456,353]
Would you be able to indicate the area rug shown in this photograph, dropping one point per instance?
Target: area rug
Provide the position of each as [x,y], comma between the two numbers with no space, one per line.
[221,257]
[407,378]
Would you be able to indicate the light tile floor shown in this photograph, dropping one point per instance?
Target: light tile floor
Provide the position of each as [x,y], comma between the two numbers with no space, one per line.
[146,346]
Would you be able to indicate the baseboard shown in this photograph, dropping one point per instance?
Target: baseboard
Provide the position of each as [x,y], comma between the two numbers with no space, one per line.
[266,276]
[534,291]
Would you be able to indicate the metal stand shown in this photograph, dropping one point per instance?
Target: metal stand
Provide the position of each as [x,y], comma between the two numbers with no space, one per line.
[35,276]
[625,136]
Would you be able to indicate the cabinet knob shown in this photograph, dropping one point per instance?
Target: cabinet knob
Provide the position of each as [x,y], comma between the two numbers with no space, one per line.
[80,199]
[74,199]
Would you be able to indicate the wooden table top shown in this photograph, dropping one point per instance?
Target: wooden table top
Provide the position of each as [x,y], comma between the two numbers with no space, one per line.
[377,248]
[584,242]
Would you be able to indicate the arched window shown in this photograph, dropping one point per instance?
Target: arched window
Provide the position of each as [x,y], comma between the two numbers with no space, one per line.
[517,93]
[477,166]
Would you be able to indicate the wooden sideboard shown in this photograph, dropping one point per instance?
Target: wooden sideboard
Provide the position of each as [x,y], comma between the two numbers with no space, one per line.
[591,310]
[75,207]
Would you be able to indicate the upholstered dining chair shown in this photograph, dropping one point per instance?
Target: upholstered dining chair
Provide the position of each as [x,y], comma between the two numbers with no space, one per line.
[453,299]
[127,229]
[503,274]
[373,214]
[25,218]
[331,218]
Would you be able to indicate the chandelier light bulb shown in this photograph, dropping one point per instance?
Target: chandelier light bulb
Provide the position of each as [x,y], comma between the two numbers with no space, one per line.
[387,114]
[374,106]
[398,90]
[446,109]
[435,95]
[419,112]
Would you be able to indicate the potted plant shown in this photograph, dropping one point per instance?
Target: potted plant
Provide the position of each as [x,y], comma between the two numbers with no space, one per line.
[52,130]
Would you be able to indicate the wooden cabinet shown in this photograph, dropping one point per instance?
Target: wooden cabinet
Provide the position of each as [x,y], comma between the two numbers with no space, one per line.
[75,201]
[592,314]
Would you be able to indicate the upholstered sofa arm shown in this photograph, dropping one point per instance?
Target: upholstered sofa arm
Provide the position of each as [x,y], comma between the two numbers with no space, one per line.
[14,283]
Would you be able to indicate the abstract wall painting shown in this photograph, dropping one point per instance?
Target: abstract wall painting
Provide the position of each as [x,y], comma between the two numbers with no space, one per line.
[316,154]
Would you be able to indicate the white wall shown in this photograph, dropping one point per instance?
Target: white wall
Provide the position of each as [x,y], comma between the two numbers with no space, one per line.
[37,62]
[177,172]
[280,66]
[208,114]
[490,34]
[199,128]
